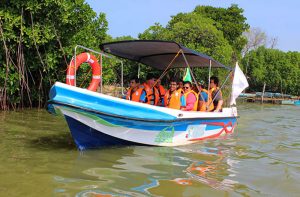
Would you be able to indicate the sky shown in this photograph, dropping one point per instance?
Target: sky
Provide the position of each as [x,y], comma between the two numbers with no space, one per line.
[277,18]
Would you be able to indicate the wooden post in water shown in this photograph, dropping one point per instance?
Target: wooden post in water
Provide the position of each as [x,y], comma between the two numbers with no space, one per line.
[263,92]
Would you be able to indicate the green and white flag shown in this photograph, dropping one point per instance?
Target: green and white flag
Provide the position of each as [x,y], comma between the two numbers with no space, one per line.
[187,76]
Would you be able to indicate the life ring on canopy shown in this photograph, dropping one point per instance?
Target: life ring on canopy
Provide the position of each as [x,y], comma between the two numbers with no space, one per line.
[96,70]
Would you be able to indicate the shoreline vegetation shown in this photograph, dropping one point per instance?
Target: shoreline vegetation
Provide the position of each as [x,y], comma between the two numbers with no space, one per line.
[38,40]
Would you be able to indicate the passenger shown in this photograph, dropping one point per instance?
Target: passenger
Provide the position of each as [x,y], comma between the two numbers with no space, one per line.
[174,98]
[191,97]
[161,91]
[216,94]
[204,99]
[180,86]
[149,95]
[134,93]
[195,88]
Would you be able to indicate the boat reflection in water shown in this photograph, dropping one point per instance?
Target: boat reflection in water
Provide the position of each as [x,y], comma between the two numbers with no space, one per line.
[144,171]
[211,172]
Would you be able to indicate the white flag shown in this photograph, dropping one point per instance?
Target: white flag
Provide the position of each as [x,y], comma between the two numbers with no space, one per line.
[239,84]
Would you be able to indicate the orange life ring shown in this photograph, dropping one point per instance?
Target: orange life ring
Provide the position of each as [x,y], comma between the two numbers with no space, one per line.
[96,70]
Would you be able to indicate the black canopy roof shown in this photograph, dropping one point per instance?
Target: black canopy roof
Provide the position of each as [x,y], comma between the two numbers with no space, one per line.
[158,54]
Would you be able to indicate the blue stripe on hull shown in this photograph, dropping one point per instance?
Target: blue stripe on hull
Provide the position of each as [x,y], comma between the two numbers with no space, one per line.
[86,137]
[180,125]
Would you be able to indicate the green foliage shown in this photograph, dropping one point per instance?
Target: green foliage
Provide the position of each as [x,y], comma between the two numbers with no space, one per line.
[279,70]
[155,32]
[196,32]
[112,66]
[38,39]
[228,20]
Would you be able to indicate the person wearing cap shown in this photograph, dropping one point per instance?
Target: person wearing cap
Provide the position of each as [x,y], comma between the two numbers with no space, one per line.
[205,100]
[174,98]
[191,97]
[149,94]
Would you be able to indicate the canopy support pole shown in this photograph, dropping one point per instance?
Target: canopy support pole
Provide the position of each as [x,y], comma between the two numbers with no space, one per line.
[91,50]
[122,80]
[166,70]
[192,75]
[208,86]
[195,81]
[221,87]
[101,80]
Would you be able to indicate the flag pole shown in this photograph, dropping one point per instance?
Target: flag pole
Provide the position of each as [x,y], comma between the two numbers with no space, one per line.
[220,88]
[208,86]
[239,83]
[191,72]
[166,70]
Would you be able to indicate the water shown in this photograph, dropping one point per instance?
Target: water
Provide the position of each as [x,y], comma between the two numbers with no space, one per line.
[262,158]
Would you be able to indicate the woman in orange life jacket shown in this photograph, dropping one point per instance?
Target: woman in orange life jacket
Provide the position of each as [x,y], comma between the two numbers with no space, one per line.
[191,97]
[204,99]
[134,92]
[161,91]
[174,98]
[216,94]
[149,94]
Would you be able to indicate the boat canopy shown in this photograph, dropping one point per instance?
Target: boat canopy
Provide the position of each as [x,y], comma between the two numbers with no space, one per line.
[159,54]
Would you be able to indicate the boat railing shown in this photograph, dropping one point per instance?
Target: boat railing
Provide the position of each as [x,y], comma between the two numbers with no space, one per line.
[101,55]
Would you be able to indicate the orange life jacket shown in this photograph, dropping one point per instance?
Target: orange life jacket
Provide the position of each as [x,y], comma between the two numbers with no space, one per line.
[150,94]
[213,92]
[173,100]
[134,95]
[161,92]
[180,90]
[211,106]
[196,95]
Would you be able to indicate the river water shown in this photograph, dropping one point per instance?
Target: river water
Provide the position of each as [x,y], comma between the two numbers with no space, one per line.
[38,158]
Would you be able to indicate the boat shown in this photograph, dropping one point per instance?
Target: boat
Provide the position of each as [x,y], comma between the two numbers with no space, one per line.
[96,119]
[297,102]
[247,95]
[287,102]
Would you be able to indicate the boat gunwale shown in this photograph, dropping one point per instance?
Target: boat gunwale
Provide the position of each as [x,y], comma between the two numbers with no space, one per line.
[51,102]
